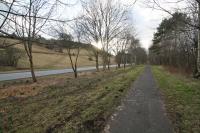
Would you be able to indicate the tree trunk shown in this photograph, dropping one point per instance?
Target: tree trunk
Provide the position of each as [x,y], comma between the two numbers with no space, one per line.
[124,61]
[104,62]
[97,62]
[75,73]
[108,62]
[135,58]
[198,47]
[32,69]
[119,65]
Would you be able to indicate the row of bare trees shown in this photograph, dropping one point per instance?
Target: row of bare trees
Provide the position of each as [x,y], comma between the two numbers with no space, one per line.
[129,51]
[106,23]
[101,23]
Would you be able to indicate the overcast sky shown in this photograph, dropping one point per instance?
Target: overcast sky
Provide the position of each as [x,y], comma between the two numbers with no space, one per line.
[145,19]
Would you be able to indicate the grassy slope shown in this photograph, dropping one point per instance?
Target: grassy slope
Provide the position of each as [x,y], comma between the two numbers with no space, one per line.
[77,105]
[44,58]
[182,98]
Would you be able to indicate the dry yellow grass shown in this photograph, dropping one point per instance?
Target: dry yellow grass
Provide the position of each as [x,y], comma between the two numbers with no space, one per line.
[26,89]
[44,58]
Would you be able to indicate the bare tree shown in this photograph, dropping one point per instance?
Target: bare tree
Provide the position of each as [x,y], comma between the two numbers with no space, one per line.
[4,16]
[76,51]
[76,47]
[133,49]
[94,52]
[92,25]
[72,44]
[115,19]
[30,24]
[117,50]
[103,21]
[125,41]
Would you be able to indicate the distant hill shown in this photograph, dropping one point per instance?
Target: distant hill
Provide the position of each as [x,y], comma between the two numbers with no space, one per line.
[51,58]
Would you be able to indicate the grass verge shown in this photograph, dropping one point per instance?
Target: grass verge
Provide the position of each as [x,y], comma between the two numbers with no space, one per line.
[76,105]
[182,99]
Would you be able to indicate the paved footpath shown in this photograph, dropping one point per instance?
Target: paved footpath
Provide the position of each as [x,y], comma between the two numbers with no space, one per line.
[142,111]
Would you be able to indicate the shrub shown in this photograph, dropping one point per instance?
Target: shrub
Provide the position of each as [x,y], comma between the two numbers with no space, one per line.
[90,59]
[10,56]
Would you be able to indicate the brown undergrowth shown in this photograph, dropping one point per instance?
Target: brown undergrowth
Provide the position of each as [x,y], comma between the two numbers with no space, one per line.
[25,87]
[180,71]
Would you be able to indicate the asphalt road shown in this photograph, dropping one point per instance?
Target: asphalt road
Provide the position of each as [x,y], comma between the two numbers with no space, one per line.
[22,75]
[142,111]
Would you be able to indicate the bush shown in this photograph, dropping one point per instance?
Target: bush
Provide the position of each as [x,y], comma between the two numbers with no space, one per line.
[10,56]
[90,59]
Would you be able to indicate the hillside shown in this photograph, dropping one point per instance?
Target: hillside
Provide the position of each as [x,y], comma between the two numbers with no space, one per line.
[50,59]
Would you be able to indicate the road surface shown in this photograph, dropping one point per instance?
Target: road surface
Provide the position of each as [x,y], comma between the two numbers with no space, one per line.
[22,75]
[142,111]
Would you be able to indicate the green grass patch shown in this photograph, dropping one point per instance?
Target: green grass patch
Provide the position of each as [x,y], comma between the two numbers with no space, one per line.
[182,99]
[78,105]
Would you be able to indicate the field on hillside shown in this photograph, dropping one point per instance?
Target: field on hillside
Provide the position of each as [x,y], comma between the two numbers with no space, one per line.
[64,104]
[44,58]
[182,99]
